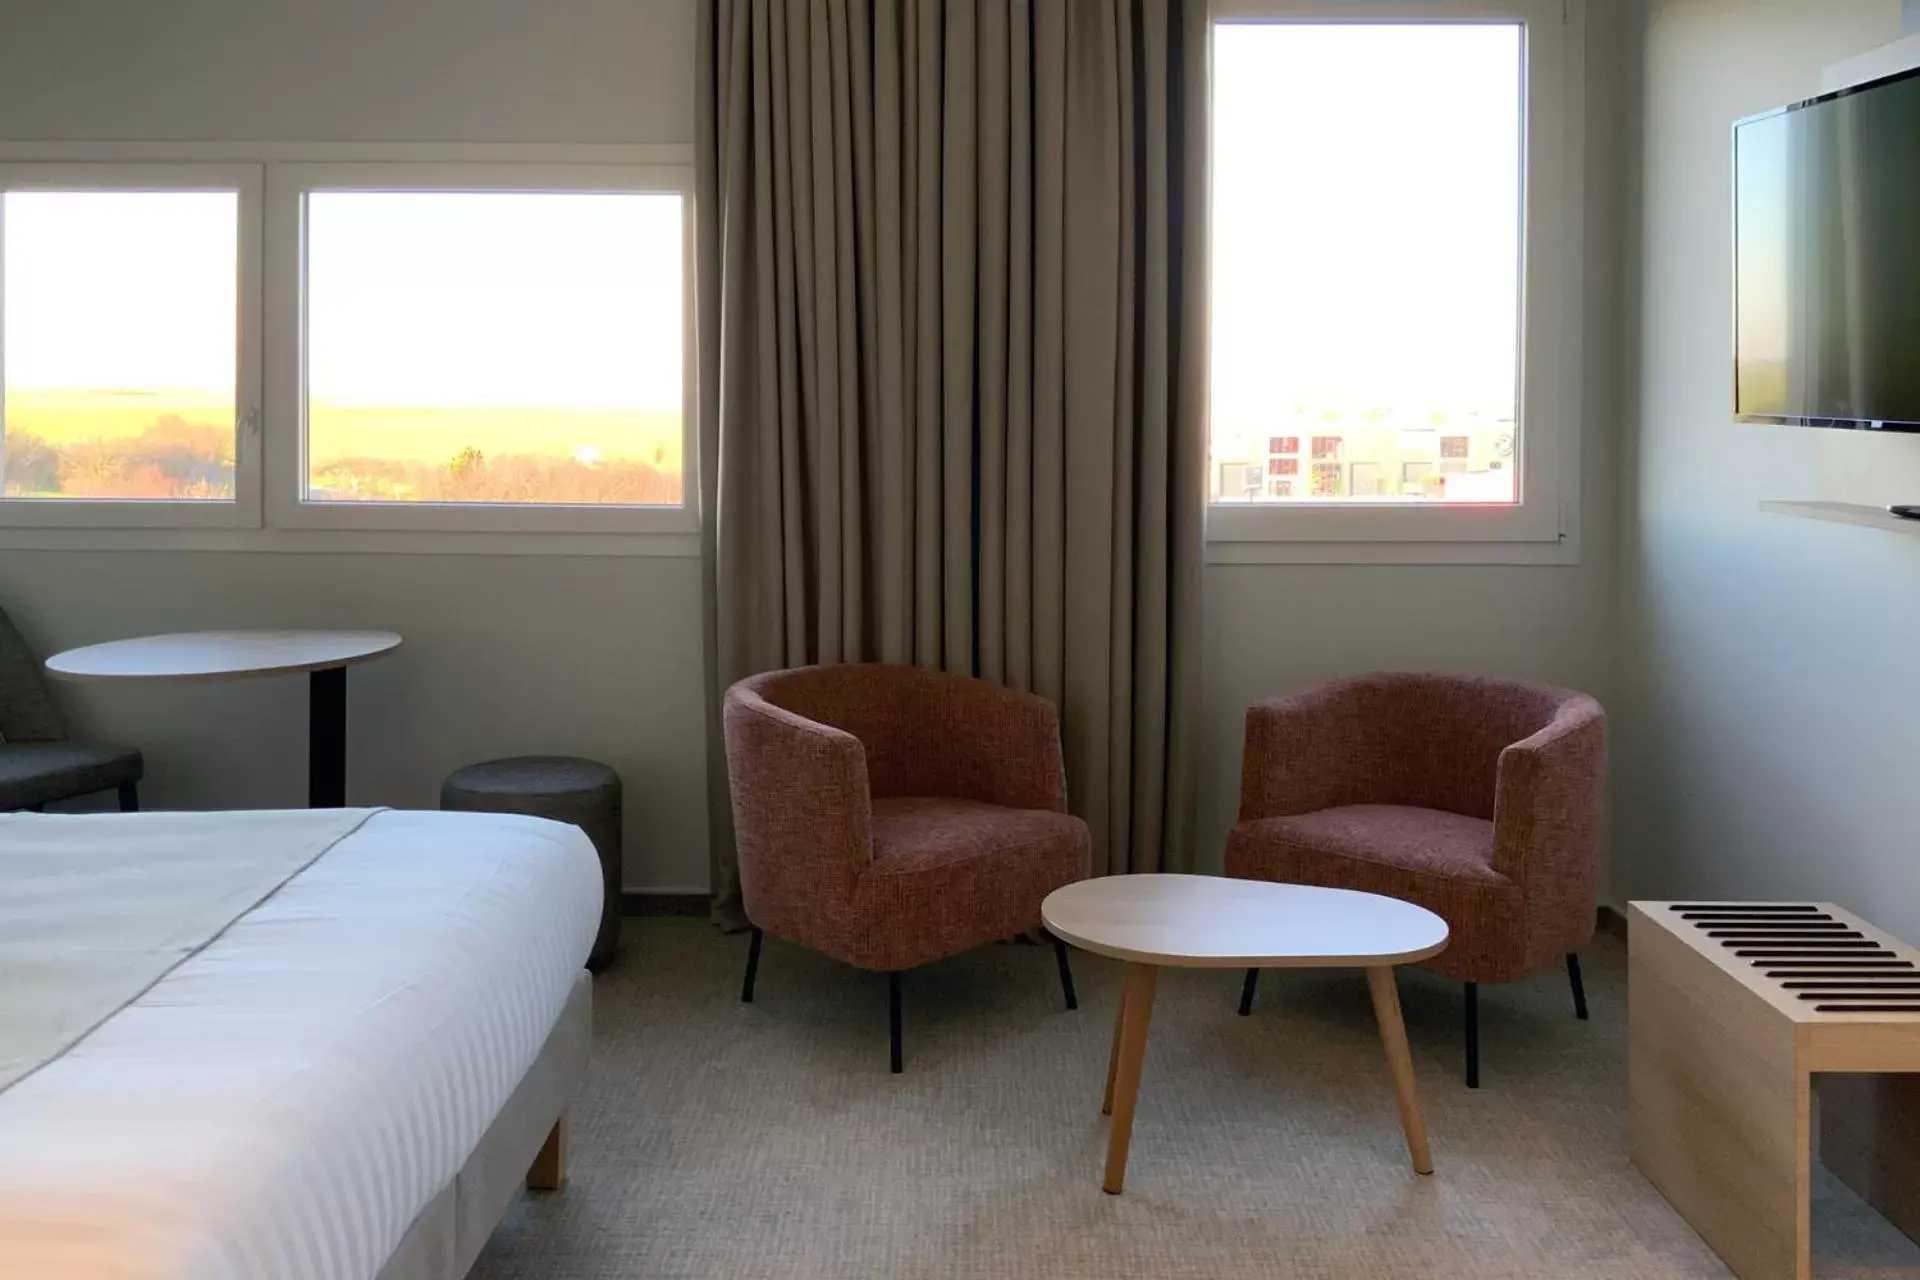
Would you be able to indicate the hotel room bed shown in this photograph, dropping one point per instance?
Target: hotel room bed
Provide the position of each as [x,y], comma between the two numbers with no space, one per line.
[347,1082]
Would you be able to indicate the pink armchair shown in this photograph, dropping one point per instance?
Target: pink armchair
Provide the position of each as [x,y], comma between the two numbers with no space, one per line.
[1477,799]
[888,816]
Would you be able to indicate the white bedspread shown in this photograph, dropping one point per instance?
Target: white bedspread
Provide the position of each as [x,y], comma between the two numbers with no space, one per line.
[284,1102]
[96,909]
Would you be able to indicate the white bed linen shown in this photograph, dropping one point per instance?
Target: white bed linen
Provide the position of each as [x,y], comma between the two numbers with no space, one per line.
[286,1101]
[95,908]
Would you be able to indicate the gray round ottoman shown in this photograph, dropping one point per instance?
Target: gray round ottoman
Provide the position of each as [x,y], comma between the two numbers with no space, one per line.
[566,789]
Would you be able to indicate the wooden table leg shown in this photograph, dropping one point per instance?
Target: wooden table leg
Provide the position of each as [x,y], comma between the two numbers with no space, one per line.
[1130,1045]
[1113,1053]
[1393,1034]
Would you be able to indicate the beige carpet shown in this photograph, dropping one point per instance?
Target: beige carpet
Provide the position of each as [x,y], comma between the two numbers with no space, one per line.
[715,1139]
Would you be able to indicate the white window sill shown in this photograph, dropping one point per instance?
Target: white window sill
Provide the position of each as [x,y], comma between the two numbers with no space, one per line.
[1543,532]
[1564,552]
[676,545]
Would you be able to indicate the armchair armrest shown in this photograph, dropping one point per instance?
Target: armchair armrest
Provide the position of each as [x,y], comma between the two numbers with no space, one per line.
[802,815]
[1548,797]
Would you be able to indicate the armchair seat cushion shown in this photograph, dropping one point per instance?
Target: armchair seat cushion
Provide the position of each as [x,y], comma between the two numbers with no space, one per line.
[1435,859]
[949,874]
[43,772]
[1417,841]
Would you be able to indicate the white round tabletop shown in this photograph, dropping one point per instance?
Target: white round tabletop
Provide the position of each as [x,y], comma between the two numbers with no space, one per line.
[1210,922]
[221,655]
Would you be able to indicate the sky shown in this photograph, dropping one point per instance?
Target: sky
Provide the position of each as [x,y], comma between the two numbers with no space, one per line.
[414,299]
[495,299]
[1366,218]
[131,290]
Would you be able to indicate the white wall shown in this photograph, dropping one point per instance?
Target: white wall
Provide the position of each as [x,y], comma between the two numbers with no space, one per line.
[601,656]
[1768,662]
[582,71]
[503,655]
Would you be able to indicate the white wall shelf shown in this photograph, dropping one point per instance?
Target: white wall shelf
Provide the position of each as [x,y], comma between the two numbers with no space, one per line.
[1845,513]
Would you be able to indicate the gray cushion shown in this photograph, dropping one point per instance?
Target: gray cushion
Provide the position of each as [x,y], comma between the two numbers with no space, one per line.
[549,786]
[26,711]
[41,772]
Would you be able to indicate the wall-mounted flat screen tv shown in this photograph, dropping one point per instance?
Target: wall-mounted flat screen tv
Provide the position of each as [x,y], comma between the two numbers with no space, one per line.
[1827,260]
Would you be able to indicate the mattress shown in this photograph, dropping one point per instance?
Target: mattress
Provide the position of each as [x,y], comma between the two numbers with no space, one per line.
[284,1102]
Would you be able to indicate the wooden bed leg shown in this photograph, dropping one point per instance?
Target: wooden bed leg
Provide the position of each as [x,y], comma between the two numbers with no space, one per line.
[549,1169]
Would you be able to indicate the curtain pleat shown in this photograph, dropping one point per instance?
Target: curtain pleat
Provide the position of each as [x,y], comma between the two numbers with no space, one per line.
[1015,591]
[952,385]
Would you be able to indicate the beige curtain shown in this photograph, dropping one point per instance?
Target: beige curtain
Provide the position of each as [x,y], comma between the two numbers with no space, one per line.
[952,367]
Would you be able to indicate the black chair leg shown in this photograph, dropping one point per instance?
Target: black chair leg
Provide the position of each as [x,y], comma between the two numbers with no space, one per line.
[893,1015]
[1473,1035]
[753,967]
[130,798]
[1246,991]
[1579,988]
[1066,973]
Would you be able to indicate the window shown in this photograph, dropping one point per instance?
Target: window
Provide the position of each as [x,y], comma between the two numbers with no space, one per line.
[374,346]
[126,366]
[482,350]
[1394,263]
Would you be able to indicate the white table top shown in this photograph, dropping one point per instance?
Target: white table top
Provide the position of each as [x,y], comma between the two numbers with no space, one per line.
[220,655]
[1209,922]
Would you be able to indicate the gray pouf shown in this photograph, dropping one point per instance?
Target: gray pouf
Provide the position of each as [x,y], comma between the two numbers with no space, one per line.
[585,793]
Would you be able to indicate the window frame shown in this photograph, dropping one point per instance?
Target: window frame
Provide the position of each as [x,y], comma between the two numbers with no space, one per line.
[244,510]
[287,186]
[1542,527]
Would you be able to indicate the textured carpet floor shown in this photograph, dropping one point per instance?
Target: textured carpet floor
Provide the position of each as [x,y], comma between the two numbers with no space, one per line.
[715,1139]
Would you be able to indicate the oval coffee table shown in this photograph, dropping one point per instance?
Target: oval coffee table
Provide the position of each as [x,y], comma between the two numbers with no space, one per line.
[1208,922]
[198,656]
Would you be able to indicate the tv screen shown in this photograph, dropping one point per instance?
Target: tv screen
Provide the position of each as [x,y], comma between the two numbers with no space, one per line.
[1827,260]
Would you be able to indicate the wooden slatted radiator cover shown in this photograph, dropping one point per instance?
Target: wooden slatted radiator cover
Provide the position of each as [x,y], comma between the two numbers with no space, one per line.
[1739,1013]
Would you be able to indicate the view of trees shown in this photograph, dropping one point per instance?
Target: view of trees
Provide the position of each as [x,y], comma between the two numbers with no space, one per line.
[170,458]
[473,476]
[73,453]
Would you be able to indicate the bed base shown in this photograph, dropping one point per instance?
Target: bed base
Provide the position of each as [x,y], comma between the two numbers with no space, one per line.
[526,1143]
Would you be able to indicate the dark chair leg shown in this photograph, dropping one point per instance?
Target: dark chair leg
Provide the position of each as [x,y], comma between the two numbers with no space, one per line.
[753,967]
[1473,1035]
[1066,973]
[1579,988]
[1246,991]
[130,798]
[893,1015]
